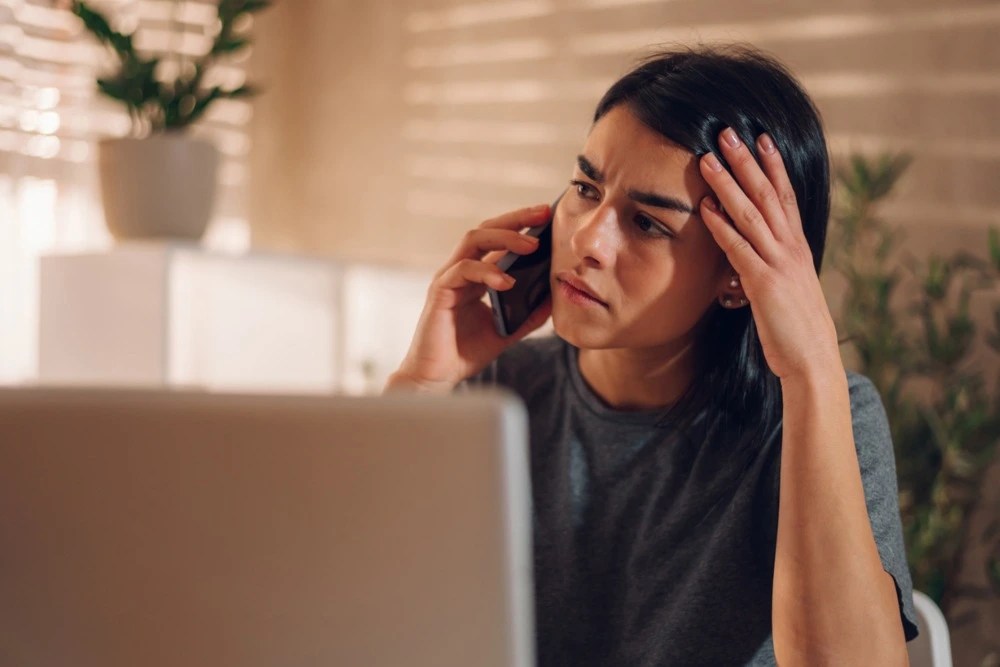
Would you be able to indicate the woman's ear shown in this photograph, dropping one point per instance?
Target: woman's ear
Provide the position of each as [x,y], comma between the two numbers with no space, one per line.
[731,289]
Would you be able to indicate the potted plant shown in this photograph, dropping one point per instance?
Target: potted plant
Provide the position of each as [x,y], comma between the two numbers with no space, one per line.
[909,324]
[160,181]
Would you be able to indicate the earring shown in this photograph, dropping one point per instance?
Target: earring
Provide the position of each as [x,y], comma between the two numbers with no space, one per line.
[734,282]
[727,302]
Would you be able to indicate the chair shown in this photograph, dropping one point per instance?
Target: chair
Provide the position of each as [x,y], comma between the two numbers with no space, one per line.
[933,647]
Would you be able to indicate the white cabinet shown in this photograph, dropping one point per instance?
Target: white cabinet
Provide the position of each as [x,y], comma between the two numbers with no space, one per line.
[170,314]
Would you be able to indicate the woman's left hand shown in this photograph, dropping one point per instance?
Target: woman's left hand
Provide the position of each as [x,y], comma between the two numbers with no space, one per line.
[761,233]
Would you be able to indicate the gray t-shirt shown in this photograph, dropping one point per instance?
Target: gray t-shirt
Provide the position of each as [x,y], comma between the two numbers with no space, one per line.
[651,549]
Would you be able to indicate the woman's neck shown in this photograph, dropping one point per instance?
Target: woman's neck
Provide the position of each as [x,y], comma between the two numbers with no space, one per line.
[638,379]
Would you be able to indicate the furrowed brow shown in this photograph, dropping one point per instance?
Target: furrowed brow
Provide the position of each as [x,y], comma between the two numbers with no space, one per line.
[592,172]
[647,198]
[660,201]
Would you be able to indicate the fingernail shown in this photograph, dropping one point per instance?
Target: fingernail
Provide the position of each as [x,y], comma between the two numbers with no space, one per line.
[531,240]
[730,137]
[509,279]
[713,162]
[765,143]
[710,204]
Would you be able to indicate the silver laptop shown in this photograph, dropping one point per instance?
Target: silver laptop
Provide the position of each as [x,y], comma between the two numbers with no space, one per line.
[142,528]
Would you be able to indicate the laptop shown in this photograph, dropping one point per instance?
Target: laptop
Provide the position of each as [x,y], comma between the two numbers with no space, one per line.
[149,528]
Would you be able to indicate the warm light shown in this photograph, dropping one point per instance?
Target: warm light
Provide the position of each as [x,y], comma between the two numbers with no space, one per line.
[200,13]
[47,98]
[170,41]
[228,235]
[29,120]
[45,147]
[48,122]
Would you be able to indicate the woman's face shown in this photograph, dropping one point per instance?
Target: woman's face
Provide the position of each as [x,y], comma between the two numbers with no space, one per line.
[627,232]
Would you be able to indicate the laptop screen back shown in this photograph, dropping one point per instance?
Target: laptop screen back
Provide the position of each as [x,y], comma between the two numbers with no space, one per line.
[181,529]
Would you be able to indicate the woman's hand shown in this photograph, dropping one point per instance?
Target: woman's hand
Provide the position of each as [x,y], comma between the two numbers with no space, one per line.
[455,337]
[769,251]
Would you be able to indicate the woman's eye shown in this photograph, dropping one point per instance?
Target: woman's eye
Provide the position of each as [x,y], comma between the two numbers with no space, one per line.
[649,227]
[584,190]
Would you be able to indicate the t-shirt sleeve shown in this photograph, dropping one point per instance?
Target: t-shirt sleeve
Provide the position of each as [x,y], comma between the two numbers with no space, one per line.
[873,441]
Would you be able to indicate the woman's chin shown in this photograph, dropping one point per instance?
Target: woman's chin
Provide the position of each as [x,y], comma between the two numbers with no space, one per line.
[583,335]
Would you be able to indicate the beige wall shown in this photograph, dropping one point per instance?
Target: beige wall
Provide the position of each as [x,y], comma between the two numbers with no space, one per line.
[325,161]
[344,137]
[390,126]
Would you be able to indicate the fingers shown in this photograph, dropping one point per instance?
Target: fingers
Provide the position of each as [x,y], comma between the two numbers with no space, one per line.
[766,186]
[741,254]
[525,217]
[470,271]
[749,219]
[478,242]
[500,234]
[474,260]
[774,168]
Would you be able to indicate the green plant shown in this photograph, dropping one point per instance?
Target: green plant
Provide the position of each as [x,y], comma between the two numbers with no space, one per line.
[161,106]
[916,345]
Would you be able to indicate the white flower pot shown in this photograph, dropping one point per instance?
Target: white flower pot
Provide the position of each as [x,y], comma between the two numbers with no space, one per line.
[162,186]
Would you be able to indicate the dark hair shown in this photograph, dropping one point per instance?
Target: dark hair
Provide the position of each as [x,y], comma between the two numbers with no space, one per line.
[689,96]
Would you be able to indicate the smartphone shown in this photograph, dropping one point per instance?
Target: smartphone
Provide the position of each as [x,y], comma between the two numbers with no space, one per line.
[512,307]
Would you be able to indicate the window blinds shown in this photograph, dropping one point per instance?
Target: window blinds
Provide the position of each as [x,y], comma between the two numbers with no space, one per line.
[499,93]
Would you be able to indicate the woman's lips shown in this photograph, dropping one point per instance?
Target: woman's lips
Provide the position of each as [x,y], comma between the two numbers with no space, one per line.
[578,293]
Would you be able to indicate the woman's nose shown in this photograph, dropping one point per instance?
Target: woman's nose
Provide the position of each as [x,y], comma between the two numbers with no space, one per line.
[595,239]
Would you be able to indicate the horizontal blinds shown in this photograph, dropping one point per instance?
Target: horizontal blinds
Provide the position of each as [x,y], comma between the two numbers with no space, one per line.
[499,94]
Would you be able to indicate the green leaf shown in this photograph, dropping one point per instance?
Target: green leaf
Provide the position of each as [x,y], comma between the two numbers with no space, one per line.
[994,242]
[114,88]
[99,26]
[256,5]
[93,20]
[230,45]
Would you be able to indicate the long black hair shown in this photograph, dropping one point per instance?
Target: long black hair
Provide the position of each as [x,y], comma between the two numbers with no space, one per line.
[689,96]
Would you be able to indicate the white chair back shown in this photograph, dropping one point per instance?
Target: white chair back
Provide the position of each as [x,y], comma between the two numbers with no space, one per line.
[933,647]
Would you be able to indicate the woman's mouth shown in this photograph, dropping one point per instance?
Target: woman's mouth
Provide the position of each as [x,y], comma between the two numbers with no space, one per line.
[577,293]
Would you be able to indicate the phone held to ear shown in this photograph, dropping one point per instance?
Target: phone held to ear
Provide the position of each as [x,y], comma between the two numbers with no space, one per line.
[511,308]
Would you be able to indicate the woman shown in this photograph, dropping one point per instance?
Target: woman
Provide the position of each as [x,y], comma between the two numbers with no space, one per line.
[711,487]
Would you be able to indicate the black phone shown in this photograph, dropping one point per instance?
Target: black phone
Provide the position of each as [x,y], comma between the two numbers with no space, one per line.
[512,307]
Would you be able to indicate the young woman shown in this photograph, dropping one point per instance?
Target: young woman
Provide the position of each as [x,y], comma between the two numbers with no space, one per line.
[711,487]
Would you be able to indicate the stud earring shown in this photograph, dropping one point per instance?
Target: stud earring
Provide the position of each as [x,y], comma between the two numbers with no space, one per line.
[727,302]
[743,301]
[734,282]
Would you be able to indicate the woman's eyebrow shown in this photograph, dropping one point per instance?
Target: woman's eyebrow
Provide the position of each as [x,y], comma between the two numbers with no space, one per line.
[660,201]
[592,172]
[647,198]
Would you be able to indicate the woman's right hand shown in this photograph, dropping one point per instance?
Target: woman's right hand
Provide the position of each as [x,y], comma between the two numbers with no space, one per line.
[455,337]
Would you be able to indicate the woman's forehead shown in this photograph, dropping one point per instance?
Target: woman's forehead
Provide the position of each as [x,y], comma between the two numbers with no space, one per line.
[623,148]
